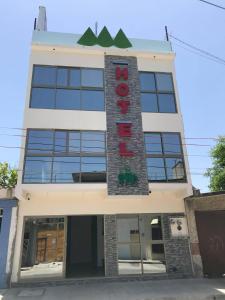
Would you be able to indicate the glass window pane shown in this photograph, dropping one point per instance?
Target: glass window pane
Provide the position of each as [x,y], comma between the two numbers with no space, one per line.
[92,78]
[66,169]
[40,141]
[164,82]
[44,75]
[156,228]
[153,143]
[67,99]
[93,100]
[149,102]
[175,169]
[152,245]
[93,169]
[74,141]
[60,141]
[171,143]
[147,81]
[127,227]
[166,103]
[62,77]
[93,142]
[37,170]
[75,78]
[42,98]
[43,248]
[156,170]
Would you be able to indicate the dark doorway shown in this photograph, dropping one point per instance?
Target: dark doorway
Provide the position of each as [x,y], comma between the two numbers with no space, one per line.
[85,246]
[211,228]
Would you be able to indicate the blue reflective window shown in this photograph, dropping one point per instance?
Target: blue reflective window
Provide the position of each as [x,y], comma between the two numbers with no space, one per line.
[149,102]
[164,82]
[167,103]
[66,169]
[63,156]
[156,169]
[92,78]
[157,92]
[40,142]
[153,143]
[175,169]
[164,157]
[92,100]
[67,88]
[37,169]
[42,98]
[147,81]
[44,75]
[67,99]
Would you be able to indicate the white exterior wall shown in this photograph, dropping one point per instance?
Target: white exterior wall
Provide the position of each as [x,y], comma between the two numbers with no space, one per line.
[84,199]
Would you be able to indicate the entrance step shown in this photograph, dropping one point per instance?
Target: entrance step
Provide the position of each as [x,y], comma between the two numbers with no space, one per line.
[82,281]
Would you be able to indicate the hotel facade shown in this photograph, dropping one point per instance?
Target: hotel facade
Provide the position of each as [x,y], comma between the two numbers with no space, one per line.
[103,166]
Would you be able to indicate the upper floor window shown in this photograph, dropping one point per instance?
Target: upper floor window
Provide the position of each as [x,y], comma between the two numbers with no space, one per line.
[165,161]
[60,156]
[67,88]
[157,92]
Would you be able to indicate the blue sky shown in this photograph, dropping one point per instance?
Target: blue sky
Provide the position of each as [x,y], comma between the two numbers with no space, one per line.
[201,82]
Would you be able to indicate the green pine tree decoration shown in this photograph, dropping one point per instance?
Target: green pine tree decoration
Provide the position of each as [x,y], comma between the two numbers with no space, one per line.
[104,38]
[121,41]
[88,38]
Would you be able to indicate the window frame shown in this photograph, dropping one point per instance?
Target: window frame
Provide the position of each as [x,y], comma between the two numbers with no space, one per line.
[67,153]
[164,156]
[157,92]
[55,87]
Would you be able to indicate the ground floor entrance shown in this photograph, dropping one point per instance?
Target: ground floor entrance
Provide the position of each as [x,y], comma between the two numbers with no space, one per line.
[102,245]
[85,246]
[70,246]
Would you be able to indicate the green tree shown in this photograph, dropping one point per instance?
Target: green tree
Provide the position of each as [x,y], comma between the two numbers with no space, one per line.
[8,176]
[217,172]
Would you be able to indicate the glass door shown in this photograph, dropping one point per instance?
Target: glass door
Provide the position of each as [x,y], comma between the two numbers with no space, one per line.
[129,248]
[140,244]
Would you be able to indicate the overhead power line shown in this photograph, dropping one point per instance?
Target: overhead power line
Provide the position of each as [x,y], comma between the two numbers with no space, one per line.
[213,4]
[199,50]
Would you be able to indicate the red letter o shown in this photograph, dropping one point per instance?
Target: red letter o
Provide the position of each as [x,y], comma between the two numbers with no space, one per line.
[122,89]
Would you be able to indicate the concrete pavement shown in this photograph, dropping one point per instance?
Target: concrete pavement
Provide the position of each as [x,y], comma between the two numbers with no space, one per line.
[183,289]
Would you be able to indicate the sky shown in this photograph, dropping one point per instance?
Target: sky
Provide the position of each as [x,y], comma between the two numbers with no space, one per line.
[201,82]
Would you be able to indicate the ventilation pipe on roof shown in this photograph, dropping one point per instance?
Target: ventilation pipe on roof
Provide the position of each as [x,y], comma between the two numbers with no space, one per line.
[40,23]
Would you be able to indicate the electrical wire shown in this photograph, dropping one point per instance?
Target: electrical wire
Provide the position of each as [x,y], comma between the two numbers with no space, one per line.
[217,58]
[213,4]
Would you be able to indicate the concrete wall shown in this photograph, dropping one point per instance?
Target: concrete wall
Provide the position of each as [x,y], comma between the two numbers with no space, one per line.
[7,235]
[207,202]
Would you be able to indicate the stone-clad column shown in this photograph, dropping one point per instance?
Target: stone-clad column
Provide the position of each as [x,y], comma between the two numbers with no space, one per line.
[117,164]
[110,245]
[177,250]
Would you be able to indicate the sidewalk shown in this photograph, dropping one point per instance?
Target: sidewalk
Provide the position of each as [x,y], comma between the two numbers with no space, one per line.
[183,289]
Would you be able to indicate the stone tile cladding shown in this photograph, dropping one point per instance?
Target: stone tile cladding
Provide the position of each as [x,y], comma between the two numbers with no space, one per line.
[116,163]
[110,245]
[177,250]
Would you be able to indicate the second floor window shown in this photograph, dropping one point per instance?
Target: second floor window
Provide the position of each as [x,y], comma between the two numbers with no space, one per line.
[67,88]
[157,92]
[164,157]
[59,156]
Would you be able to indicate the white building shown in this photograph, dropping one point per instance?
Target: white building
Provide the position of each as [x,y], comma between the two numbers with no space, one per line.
[105,171]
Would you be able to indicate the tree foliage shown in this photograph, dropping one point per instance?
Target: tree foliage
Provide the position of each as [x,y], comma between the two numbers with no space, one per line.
[8,176]
[217,172]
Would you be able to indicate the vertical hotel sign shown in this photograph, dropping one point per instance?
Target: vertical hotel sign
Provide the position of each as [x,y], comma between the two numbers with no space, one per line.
[126,171]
